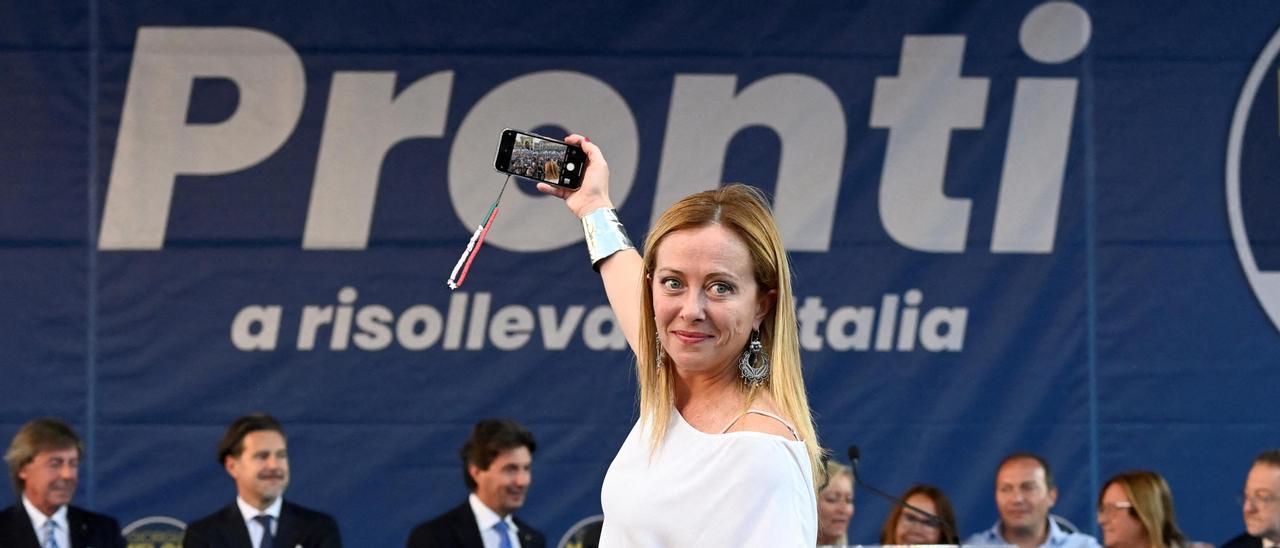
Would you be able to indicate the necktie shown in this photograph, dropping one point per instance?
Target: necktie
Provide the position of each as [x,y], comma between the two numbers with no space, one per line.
[268,540]
[504,540]
[50,534]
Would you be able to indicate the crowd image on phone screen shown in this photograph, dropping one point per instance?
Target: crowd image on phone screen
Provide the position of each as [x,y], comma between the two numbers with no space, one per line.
[537,159]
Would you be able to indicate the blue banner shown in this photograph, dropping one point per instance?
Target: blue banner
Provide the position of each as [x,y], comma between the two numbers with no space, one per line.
[1014,226]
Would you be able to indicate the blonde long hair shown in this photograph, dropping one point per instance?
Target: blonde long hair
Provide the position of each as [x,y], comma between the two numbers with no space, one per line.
[743,211]
[832,470]
[1152,502]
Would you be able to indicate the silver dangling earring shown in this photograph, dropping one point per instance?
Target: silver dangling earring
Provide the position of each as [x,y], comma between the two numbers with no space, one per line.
[657,350]
[753,375]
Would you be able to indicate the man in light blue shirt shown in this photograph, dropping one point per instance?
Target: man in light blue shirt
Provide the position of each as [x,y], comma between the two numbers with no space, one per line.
[497,466]
[1024,495]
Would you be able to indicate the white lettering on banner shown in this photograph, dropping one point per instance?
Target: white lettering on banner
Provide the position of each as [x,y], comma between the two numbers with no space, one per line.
[920,107]
[363,122]
[929,98]
[374,327]
[156,144]
[1040,132]
[896,325]
[596,336]
[313,317]
[556,335]
[809,121]
[410,336]
[852,327]
[1031,184]
[256,327]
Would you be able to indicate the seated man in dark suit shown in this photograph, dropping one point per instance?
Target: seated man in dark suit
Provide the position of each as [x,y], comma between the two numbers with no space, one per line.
[497,465]
[255,455]
[44,461]
[1261,504]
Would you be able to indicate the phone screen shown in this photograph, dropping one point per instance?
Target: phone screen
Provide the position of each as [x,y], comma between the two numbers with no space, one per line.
[540,159]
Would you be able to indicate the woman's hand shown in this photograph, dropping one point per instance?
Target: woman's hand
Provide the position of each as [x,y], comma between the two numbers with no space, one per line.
[594,193]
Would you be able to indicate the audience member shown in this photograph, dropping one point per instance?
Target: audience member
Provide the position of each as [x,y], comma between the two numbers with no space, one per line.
[44,465]
[497,466]
[1260,503]
[906,526]
[1135,510]
[255,455]
[1025,493]
[835,504]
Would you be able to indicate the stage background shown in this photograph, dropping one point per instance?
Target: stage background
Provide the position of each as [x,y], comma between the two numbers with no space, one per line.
[1038,192]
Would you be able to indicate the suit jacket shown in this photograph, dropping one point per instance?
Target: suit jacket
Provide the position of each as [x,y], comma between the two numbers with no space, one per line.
[457,528]
[88,530]
[298,526]
[1244,541]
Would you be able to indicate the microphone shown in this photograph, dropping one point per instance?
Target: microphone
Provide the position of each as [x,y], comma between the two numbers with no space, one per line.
[854,454]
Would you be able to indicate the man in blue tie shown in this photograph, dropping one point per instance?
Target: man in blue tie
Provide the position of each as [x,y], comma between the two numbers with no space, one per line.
[44,462]
[255,454]
[497,466]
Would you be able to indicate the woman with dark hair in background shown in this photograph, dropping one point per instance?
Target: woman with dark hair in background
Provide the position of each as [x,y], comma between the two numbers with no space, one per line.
[906,526]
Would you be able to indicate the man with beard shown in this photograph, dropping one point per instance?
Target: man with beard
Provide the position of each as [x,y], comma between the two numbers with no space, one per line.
[44,462]
[255,455]
[1260,504]
[1025,493]
[497,466]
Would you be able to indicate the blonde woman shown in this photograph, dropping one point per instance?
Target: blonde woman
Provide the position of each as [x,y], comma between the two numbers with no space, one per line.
[551,171]
[724,452]
[835,505]
[1135,510]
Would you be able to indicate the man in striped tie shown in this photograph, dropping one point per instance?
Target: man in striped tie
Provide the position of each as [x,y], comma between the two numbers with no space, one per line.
[44,462]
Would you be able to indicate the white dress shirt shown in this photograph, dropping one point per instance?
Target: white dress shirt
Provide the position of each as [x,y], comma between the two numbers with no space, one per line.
[62,533]
[486,519]
[248,512]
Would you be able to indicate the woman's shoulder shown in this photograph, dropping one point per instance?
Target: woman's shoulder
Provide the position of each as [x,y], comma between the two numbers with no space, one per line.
[765,422]
[770,459]
[763,417]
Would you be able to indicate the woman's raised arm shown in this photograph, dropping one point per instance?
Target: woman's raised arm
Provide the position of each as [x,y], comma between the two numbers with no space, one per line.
[622,271]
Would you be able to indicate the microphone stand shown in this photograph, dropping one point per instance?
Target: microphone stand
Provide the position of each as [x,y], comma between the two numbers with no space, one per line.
[854,453]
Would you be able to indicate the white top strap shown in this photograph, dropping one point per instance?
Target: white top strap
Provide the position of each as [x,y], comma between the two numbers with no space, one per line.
[790,428]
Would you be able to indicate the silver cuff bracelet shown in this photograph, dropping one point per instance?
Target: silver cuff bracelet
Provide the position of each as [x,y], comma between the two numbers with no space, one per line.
[605,235]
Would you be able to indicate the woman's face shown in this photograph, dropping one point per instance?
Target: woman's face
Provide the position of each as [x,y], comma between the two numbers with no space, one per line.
[1120,527]
[914,528]
[705,297]
[835,509]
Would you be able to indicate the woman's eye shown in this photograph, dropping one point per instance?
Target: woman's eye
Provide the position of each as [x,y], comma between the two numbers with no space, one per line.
[671,283]
[721,288]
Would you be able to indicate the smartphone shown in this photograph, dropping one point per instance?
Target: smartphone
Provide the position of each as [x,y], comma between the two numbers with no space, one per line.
[540,159]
